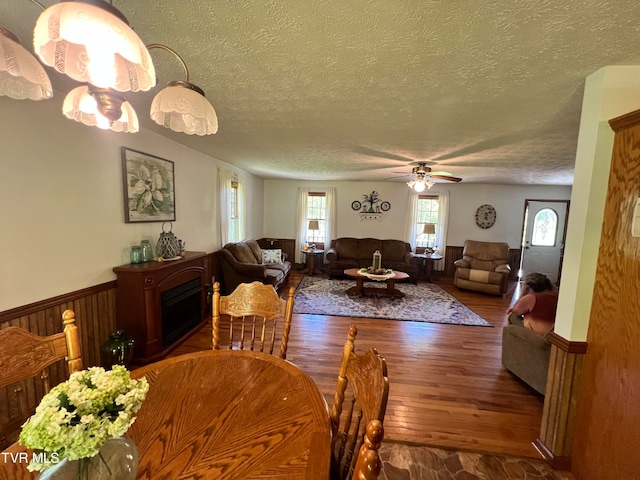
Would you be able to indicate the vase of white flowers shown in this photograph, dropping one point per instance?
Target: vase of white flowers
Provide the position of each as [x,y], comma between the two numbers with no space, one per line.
[77,430]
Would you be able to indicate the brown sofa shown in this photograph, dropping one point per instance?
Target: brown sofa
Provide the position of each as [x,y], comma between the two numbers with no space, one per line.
[242,262]
[349,252]
[484,267]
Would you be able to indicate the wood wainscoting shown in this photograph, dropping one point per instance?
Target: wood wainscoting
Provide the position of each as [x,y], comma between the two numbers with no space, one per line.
[559,413]
[95,309]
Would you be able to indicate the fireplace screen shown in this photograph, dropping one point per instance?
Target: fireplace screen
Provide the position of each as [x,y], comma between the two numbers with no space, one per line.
[181,307]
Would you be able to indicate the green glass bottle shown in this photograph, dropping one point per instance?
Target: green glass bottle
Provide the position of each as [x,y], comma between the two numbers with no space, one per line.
[117,350]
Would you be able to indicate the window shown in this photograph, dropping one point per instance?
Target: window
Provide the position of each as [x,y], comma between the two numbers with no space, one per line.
[427,212]
[545,227]
[317,210]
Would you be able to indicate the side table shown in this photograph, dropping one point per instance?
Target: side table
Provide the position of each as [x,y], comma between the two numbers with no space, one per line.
[426,265]
[311,261]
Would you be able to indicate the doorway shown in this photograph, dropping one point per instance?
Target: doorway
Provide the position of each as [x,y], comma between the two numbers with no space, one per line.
[543,237]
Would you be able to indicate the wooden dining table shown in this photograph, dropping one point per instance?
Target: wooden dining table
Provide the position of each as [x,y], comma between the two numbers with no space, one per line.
[226,414]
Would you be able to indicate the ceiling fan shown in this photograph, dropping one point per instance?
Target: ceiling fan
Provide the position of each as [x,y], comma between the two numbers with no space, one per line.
[422,175]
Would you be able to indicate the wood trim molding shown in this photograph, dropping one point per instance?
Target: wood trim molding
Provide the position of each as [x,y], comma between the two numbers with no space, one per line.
[567,345]
[55,301]
[625,121]
[556,462]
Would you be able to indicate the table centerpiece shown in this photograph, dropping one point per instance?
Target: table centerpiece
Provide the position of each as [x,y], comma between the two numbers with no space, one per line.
[78,418]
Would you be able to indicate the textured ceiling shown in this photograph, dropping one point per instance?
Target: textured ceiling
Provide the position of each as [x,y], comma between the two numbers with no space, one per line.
[489,91]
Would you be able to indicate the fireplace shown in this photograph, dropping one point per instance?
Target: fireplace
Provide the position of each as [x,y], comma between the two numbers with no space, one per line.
[160,304]
[181,310]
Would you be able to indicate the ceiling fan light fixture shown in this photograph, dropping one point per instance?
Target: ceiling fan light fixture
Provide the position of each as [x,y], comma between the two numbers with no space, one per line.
[420,184]
[21,75]
[99,109]
[91,41]
[182,107]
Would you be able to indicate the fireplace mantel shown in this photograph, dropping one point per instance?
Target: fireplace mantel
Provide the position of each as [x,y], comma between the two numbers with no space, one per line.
[139,305]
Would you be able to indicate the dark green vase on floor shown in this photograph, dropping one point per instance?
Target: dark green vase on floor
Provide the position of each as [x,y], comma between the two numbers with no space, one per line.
[117,350]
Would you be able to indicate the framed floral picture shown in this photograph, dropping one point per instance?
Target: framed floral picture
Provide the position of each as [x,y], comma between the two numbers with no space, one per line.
[149,190]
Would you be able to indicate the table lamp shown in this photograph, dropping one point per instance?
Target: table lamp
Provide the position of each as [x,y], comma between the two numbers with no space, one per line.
[429,229]
[313,226]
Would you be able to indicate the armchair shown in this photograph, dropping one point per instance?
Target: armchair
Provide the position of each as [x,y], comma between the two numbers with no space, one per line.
[484,267]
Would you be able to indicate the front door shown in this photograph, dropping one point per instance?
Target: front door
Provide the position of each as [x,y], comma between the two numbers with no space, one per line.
[543,237]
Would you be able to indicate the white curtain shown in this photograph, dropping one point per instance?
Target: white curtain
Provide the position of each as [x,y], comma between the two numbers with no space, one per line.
[301,234]
[232,230]
[410,231]
[241,228]
[224,183]
[332,217]
[443,226]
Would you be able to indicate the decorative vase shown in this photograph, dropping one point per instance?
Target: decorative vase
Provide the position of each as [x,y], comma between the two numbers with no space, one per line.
[117,460]
[136,254]
[147,251]
[117,350]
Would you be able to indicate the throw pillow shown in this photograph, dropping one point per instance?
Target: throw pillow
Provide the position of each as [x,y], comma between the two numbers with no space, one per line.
[272,257]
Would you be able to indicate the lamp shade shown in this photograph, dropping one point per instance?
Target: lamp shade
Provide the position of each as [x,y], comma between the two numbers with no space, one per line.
[21,75]
[182,107]
[81,106]
[92,42]
[313,225]
[429,229]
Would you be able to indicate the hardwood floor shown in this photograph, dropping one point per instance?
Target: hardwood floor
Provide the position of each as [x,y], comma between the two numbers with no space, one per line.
[447,385]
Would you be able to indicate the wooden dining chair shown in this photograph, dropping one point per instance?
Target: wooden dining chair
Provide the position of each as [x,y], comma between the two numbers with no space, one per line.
[254,310]
[368,464]
[363,381]
[24,355]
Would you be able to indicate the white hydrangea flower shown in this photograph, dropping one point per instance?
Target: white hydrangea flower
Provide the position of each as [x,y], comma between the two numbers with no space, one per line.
[76,417]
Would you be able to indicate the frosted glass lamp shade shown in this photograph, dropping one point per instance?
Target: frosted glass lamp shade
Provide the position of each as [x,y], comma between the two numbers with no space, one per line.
[182,107]
[419,186]
[21,75]
[82,106]
[93,43]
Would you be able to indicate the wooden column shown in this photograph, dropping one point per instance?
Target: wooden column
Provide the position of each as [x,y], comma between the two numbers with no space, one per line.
[558,415]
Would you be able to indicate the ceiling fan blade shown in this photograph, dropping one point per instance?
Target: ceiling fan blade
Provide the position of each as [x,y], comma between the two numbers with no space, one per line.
[444,174]
[396,177]
[445,177]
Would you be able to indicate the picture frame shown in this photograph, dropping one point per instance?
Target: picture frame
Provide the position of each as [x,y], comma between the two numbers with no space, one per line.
[148,187]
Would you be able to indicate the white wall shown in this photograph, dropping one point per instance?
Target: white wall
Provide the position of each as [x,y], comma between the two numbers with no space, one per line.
[610,92]
[508,200]
[61,201]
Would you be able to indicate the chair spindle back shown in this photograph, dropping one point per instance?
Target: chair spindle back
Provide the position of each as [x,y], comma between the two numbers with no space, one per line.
[254,310]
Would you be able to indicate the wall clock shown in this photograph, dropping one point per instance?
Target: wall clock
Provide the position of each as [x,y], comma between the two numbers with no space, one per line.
[485,216]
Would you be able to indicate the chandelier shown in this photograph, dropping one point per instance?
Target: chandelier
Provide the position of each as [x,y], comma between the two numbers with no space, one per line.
[91,42]
[21,75]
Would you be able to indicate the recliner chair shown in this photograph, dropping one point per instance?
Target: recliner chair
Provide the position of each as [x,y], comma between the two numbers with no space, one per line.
[484,267]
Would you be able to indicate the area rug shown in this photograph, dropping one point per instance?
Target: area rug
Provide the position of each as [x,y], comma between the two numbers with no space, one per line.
[424,302]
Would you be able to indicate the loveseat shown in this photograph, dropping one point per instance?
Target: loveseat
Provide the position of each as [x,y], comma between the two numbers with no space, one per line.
[246,262]
[484,267]
[350,252]
[526,354]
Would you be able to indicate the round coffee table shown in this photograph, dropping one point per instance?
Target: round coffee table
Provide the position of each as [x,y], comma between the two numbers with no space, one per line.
[360,290]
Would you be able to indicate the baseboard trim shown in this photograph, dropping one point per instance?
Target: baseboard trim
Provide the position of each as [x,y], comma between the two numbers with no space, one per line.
[557,463]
